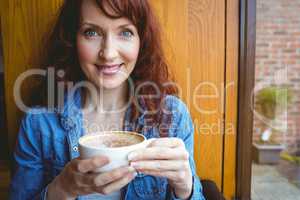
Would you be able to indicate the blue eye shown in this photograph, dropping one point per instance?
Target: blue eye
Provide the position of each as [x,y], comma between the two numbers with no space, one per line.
[90,33]
[127,33]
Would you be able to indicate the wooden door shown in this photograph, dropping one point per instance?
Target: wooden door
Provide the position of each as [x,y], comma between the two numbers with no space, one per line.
[201,41]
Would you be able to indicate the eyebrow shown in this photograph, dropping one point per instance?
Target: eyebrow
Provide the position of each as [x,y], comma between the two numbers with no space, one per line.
[96,26]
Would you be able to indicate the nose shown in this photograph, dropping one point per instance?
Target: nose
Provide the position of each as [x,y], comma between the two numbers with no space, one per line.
[108,50]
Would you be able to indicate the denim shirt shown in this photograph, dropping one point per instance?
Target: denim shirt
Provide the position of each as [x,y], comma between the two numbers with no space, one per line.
[48,140]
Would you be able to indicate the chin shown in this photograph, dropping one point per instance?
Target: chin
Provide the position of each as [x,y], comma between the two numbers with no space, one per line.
[110,84]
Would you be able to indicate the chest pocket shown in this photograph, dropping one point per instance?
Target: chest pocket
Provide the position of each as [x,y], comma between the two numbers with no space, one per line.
[150,187]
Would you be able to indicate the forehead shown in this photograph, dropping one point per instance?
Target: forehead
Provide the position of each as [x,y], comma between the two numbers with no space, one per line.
[91,12]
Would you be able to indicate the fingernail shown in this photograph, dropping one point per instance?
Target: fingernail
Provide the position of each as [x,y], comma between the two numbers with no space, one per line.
[132,156]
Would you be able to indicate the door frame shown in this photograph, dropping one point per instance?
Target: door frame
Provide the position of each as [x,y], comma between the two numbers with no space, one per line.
[245,97]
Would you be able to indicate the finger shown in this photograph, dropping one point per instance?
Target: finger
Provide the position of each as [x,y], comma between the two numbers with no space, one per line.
[149,141]
[108,177]
[159,153]
[160,165]
[91,164]
[171,142]
[171,175]
[86,190]
[116,185]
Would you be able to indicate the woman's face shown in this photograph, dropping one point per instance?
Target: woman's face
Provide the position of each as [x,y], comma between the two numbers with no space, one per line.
[107,48]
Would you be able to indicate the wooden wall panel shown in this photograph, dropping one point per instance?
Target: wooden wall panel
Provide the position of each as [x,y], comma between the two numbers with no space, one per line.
[231,89]
[175,38]
[194,43]
[196,49]
[23,26]
[206,59]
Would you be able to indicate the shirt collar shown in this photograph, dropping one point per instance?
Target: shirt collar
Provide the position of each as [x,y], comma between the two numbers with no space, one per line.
[70,112]
[71,115]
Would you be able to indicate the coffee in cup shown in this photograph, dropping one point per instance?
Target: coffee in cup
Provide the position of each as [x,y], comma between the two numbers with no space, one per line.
[113,140]
[116,145]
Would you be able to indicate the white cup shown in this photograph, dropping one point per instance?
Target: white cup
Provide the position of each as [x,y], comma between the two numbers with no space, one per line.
[118,156]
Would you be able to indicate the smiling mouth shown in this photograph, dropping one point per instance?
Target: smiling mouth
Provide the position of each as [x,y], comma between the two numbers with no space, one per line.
[109,69]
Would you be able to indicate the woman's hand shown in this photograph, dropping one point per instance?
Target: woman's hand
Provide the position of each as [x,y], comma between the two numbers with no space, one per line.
[78,178]
[166,157]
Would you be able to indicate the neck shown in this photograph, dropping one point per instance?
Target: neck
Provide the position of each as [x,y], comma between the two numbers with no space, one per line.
[107,100]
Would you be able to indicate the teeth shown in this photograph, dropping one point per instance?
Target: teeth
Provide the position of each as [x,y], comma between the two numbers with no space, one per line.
[110,70]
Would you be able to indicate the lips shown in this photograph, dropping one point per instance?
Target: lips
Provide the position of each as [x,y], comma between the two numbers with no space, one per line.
[109,69]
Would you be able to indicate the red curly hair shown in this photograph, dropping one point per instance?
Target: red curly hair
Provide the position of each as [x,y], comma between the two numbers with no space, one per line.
[151,64]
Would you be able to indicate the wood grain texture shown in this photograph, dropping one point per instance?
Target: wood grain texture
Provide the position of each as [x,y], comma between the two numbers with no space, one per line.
[194,43]
[245,96]
[23,26]
[175,38]
[206,61]
[231,89]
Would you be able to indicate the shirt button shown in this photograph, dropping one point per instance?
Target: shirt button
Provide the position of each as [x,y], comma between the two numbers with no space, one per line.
[75,148]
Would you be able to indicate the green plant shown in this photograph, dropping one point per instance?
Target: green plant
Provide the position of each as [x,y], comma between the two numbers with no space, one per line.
[270,101]
[273,98]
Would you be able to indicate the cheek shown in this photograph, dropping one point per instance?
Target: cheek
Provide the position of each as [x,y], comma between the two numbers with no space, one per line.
[130,52]
[87,52]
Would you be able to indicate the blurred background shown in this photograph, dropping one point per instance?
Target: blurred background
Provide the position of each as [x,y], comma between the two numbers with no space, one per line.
[276,127]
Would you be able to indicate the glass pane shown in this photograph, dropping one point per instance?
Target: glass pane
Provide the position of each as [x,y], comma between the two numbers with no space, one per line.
[276,136]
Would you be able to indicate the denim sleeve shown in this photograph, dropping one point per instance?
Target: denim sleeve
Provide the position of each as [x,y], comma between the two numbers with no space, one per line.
[184,129]
[27,182]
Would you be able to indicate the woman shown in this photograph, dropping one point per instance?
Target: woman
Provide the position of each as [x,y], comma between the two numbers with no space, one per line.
[110,51]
